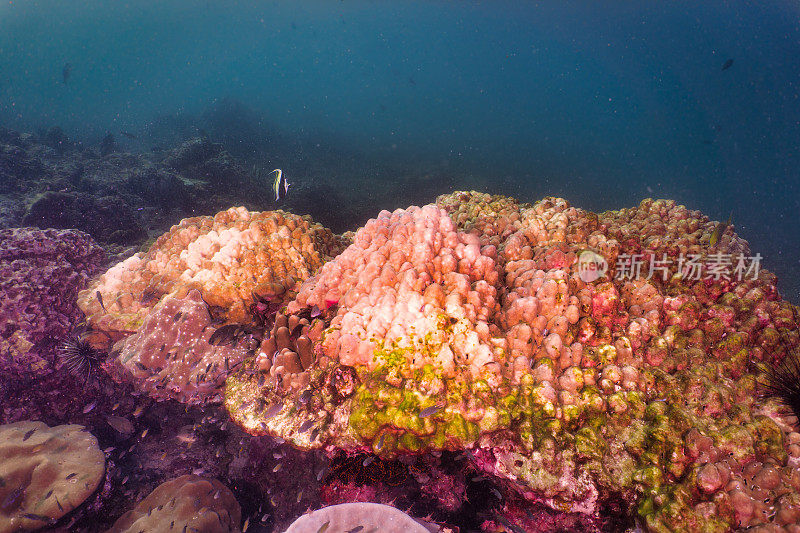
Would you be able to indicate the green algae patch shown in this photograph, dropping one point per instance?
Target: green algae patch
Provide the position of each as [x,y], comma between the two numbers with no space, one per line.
[419,407]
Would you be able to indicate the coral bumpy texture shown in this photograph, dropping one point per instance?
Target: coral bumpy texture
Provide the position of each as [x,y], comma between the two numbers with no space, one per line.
[41,272]
[465,325]
[158,310]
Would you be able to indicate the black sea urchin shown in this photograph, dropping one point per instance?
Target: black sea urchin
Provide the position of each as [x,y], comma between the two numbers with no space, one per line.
[783,380]
[78,357]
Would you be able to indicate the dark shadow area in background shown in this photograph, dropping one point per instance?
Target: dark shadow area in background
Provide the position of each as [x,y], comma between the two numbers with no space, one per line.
[342,186]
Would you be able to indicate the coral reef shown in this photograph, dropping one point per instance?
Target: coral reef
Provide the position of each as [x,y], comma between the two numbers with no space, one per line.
[228,257]
[202,159]
[425,330]
[108,219]
[170,356]
[187,503]
[235,267]
[45,473]
[477,331]
[41,272]
[349,516]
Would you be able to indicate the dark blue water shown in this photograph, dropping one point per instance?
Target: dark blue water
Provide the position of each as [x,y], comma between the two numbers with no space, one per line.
[601,103]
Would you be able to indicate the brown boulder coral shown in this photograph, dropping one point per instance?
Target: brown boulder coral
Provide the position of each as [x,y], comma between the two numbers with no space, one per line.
[187,503]
[45,472]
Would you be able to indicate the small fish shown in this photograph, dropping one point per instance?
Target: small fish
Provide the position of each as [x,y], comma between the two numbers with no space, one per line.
[66,72]
[279,186]
[305,396]
[511,527]
[355,529]
[186,436]
[144,433]
[305,426]
[148,296]
[299,496]
[128,135]
[33,516]
[277,468]
[324,527]
[368,461]
[315,311]
[719,230]
[120,424]
[14,498]
[314,434]
[273,410]
[28,435]
[226,335]
[380,441]
[246,524]
[89,407]
[99,297]
[727,64]
[177,316]
[428,411]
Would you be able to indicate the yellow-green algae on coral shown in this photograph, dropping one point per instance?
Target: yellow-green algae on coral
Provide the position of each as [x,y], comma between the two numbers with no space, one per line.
[630,445]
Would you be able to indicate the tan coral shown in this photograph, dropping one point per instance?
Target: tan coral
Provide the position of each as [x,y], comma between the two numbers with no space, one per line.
[493,218]
[187,503]
[45,472]
[226,257]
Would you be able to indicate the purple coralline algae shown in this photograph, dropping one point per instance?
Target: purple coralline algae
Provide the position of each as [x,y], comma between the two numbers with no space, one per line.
[41,272]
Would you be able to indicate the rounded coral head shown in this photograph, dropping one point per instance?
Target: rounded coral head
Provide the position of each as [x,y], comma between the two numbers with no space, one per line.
[348,516]
[46,472]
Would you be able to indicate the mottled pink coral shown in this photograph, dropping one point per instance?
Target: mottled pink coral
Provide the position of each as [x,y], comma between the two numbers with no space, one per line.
[406,275]
[170,355]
